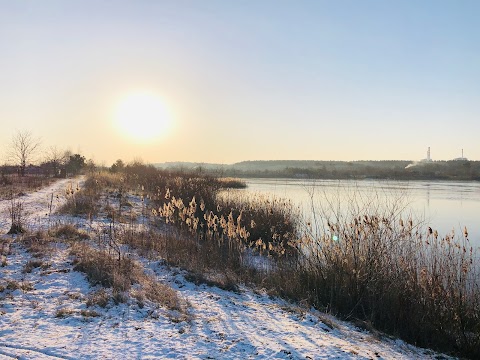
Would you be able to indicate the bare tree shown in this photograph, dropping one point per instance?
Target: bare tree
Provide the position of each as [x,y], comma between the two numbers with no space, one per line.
[55,158]
[22,150]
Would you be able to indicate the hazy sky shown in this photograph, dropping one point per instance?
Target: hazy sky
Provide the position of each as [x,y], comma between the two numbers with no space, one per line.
[245,80]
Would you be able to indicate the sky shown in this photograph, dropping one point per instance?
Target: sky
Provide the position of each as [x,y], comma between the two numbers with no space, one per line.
[242,80]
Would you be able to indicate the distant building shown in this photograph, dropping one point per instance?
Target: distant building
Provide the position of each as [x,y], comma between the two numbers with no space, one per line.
[461,158]
[428,159]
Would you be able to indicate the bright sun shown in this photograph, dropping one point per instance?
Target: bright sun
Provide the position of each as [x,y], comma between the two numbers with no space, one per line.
[142,116]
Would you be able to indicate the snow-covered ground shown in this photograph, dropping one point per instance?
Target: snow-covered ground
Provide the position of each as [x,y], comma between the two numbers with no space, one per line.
[222,325]
[37,205]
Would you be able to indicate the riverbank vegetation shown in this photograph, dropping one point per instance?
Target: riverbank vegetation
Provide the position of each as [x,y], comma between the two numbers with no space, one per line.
[363,260]
[391,169]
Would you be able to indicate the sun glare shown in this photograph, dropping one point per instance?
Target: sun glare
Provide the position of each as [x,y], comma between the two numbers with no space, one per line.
[142,116]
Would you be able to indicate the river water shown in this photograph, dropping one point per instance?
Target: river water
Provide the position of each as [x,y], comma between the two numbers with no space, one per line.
[445,206]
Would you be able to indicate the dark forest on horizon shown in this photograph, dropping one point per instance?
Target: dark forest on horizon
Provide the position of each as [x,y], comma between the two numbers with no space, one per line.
[382,169]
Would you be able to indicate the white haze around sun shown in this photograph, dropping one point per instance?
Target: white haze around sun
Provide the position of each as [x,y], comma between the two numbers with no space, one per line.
[142,117]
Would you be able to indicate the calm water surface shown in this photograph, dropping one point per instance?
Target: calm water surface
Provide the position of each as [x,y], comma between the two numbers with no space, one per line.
[443,205]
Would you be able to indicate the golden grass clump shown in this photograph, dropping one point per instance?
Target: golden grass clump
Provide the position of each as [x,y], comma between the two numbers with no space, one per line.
[38,243]
[232,183]
[120,274]
[68,232]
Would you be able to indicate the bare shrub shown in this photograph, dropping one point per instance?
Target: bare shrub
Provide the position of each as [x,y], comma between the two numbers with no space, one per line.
[161,294]
[17,216]
[73,295]
[38,243]
[102,268]
[139,295]
[68,232]
[13,285]
[80,203]
[147,242]
[64,312]
[98,298]
[89,313]
[118,296]
[34,264]
[4,250]
[120,274]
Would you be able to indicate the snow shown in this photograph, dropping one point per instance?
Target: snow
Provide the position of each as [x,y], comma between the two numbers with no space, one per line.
[36,204]
[246,324]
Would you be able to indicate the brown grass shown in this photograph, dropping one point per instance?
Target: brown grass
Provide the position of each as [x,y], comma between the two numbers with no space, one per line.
[366,262]
[38,244]
[232,183]
[102,267]
[13,285]
[68,232]
[89,313]
[98,298]
[375,265]
[64,313]
[35,264]
[14,185]
[80,203]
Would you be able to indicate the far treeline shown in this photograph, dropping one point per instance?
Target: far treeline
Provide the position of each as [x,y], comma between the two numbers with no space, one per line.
[388,169]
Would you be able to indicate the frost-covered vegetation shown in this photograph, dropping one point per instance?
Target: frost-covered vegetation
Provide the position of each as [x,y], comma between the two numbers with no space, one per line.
[368,262]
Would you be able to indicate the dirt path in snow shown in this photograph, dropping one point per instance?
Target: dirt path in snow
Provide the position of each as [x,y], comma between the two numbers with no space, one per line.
[36,205]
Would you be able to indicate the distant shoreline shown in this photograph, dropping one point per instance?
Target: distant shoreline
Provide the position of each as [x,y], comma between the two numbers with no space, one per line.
[452,170]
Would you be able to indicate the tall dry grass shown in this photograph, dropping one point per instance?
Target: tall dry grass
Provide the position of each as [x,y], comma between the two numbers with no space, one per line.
[373,261]
[364,259]
[13,185]
[103,267]
[85,201]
